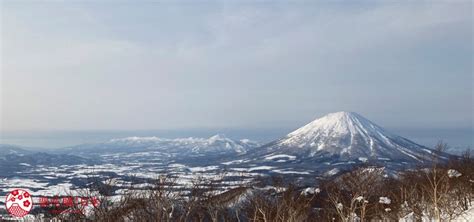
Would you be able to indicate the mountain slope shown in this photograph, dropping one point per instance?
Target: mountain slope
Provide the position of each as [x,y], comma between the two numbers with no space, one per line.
[180,146]
[6,149]
[346,136]
[15,159]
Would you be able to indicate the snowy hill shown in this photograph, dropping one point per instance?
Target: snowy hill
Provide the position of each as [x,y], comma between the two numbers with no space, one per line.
[216,143]
[6,149]
[183,146]
[346,138]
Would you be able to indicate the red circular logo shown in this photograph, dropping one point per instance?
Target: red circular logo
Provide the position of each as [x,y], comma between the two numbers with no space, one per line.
[19,203]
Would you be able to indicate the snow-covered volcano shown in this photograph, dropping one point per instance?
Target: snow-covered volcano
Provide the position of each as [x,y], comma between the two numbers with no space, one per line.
[348,136]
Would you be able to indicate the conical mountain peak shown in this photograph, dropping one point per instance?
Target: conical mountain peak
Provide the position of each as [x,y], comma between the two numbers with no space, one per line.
[339,123]
[350,136]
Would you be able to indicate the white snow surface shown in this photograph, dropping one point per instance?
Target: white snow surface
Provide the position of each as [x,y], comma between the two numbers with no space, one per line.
[340,123]
[349,134]
[290,172]
[280,156]
[310,190]
[216,143]
[453,173]
[385,200]
[466,216]
[333,172]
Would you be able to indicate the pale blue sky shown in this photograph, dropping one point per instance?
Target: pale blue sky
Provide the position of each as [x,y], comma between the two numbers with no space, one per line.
[93,65]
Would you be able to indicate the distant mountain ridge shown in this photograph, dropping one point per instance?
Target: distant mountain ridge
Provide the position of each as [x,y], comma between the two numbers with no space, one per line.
[7,149]
[14,159]
[324,147]
[216,143]
[183,146]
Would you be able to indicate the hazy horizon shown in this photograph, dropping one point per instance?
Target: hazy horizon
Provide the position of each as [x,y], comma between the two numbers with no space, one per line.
[457,139]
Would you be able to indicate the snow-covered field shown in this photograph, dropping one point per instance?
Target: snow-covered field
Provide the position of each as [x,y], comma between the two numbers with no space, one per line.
[62,180]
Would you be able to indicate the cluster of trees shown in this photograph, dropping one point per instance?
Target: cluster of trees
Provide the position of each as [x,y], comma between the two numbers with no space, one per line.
[439,192]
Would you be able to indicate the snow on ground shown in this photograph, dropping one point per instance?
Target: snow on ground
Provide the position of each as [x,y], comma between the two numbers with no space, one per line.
[280,156]
[235,162]
[176,165]
[36,187]
[260,168]
[453,173]
[384,200]
[343,163]
[310,191]
[467,216]
[290,172]
[332,172]
[239,169]
[58,189]
[203,169]
[8,184]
